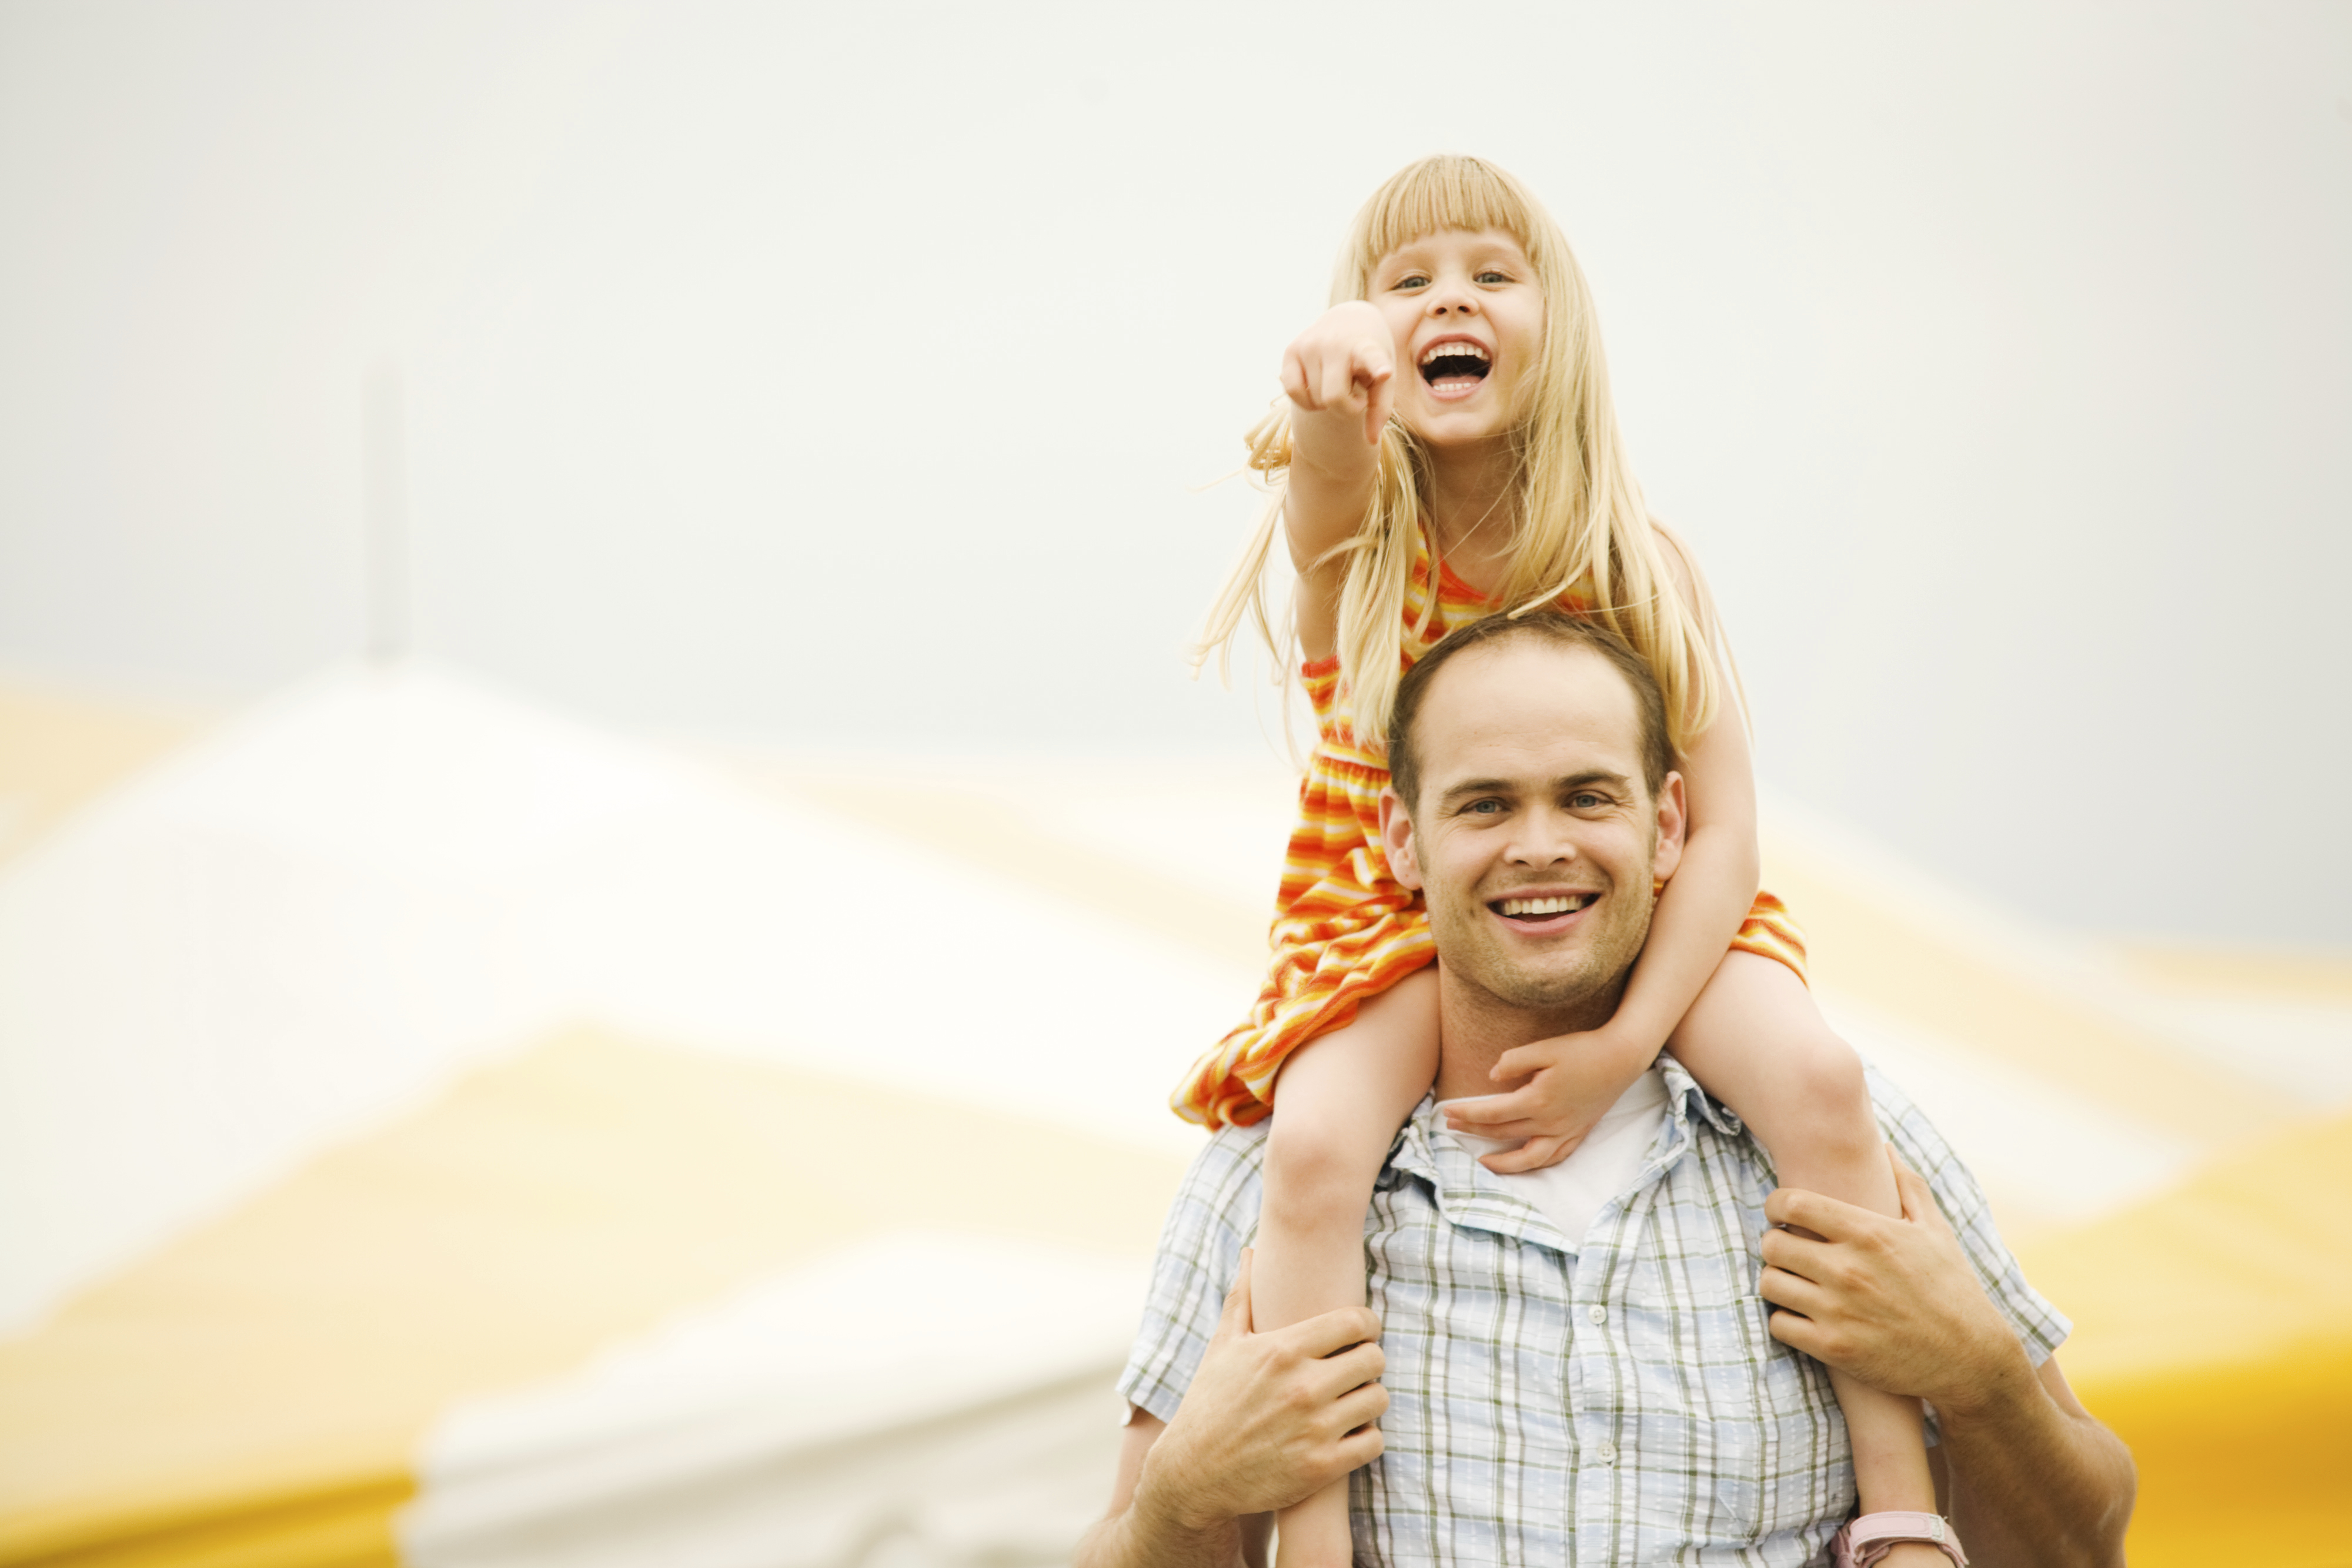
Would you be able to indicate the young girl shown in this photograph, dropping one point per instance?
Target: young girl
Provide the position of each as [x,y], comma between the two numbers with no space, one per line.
[1450,451]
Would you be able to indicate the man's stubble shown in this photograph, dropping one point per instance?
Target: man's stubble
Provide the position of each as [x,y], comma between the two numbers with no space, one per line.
[1591,986]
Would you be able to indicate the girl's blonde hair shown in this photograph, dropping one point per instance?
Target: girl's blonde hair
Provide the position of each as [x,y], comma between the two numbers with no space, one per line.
[1580,523]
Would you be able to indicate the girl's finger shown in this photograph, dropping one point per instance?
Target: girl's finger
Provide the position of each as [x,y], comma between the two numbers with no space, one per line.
[1532,1155]
[1488,1108]
[1372,366]
[1522,1060]
[1504,1132]
[1295,384]
[1382,403]
[1339,387]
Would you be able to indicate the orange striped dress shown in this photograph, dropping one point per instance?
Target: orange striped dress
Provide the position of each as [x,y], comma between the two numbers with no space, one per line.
[1344,928]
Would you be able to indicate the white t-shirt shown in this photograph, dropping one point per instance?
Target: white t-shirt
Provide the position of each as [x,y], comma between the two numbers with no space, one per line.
[1572,1192]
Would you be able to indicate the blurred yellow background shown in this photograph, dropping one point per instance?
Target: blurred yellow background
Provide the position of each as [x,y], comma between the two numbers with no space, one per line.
[271,1372]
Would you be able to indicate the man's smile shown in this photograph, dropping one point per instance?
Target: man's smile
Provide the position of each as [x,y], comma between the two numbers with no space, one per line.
[1543,911]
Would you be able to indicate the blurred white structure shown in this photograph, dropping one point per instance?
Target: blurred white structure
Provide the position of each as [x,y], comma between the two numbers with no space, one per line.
[916,1400]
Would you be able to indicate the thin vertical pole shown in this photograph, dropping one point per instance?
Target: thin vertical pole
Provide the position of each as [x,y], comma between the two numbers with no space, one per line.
[385,431]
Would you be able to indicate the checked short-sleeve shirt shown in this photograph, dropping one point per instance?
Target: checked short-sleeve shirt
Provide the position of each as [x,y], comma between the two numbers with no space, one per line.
[1613,1399]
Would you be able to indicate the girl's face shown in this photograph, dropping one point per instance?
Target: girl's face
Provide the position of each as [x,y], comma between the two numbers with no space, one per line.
[1468,316]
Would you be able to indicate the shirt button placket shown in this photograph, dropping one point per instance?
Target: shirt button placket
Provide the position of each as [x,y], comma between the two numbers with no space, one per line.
[1597,1510]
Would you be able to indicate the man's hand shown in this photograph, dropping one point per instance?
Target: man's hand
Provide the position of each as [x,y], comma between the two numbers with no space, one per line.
[1269,1420]
[1575,1078]
[2036,1481]
[1892,1302]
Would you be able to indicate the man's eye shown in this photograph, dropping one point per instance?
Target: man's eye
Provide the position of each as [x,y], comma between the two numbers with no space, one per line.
[1586,801]
[1483,807]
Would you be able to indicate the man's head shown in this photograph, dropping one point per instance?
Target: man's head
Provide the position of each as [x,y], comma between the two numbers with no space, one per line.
[1533,802]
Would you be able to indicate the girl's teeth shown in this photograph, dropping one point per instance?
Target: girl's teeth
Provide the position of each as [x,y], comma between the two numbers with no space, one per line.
[1438,350]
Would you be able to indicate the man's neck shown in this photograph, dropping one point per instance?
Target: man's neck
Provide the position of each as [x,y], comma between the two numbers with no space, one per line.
[1476,1028]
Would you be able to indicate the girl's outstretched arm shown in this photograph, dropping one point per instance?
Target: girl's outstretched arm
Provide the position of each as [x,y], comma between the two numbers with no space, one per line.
[1340,376]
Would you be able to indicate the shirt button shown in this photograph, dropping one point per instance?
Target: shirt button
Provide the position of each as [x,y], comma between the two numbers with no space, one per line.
[1606,1453]
[1597,1314]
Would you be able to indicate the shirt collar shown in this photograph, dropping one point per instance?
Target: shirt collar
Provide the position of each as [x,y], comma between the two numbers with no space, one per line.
[1470,1195]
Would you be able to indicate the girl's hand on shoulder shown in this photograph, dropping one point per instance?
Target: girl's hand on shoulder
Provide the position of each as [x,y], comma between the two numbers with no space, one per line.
[1344,364]
[1577,1077]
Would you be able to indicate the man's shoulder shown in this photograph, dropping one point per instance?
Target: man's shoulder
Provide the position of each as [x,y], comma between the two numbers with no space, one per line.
[1920,1145]
[1225,1178]
[1231,1152]
[1211,1218]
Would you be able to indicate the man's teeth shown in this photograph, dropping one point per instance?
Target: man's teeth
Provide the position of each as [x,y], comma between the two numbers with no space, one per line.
[1561,906]
[1443,351]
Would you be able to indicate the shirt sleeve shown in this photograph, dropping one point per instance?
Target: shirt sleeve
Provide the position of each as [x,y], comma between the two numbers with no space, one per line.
[1213,1217]
[2041,1326]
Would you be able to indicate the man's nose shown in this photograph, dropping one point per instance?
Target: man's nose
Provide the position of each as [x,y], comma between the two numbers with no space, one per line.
[1543,839]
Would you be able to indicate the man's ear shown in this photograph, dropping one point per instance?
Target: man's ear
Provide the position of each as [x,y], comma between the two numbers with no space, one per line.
[1672,822]
[1396,838]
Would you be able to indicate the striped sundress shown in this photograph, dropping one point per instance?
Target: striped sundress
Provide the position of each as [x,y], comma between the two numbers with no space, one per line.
[1344,928]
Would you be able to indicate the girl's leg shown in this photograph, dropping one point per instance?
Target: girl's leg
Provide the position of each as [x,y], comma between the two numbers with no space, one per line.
[1337,1105]
[1755,1041]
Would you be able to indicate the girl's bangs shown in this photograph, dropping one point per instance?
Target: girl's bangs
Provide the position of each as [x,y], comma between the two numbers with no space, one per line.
[1442,193]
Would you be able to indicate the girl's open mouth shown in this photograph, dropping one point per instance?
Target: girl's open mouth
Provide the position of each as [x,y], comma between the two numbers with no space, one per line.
[1455,367]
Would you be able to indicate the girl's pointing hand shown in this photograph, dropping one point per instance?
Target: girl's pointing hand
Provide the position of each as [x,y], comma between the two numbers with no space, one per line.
[1344,364]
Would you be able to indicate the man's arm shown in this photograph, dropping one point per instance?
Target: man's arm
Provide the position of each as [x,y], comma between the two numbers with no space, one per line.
[1269,1419]
[2036,1481]
[1130,1536]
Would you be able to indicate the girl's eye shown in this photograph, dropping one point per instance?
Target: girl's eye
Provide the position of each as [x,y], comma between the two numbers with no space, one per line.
[1414,281]
[1491,275]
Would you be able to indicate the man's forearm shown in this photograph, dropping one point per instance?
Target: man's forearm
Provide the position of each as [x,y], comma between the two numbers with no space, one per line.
[2036,1481]
[1133,1538]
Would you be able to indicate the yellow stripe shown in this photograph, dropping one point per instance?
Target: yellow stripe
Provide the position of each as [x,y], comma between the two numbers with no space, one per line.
[2213,1332]
[346,1524]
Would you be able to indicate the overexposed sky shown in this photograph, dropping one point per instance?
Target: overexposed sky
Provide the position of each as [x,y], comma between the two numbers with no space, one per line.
[849,376]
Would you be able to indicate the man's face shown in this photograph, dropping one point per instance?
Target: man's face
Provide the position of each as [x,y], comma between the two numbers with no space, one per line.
[1535,840]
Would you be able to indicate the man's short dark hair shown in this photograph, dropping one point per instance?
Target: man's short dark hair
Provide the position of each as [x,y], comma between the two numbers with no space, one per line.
[1553,626]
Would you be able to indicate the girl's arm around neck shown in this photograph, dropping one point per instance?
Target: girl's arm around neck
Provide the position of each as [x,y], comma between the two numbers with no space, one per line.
[1713,889]
[1701,909]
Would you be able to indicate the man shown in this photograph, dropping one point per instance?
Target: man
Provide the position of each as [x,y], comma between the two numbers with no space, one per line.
[1579,1365]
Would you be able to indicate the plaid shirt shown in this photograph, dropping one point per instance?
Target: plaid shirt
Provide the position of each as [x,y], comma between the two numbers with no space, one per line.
[1612,1399]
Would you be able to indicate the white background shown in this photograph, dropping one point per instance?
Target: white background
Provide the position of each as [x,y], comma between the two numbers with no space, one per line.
[842,375]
